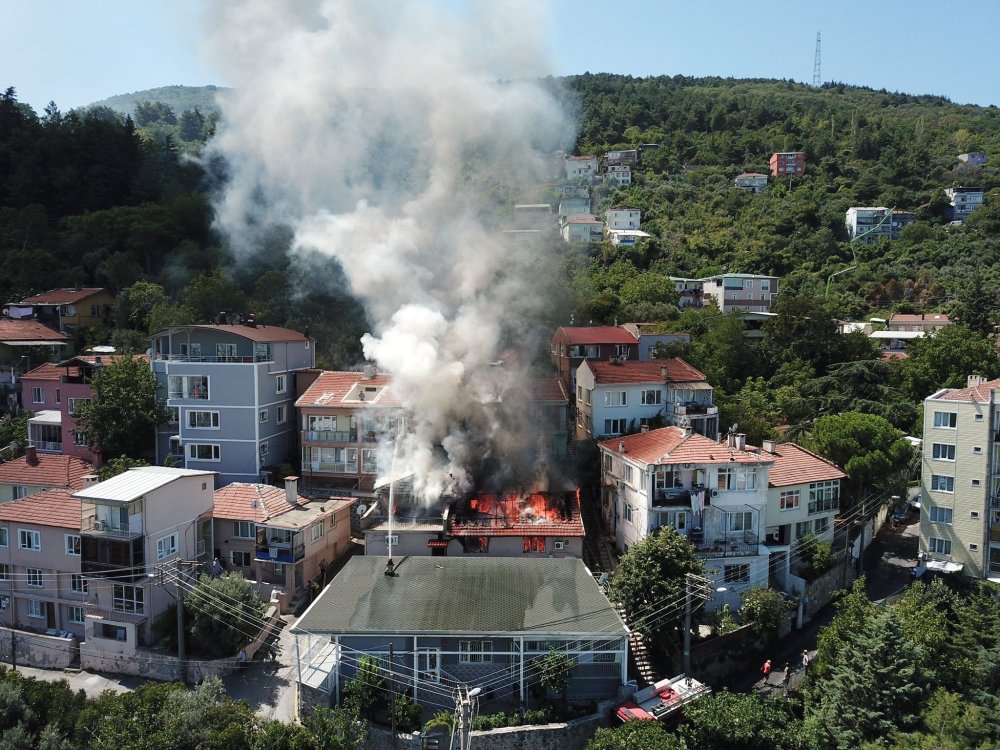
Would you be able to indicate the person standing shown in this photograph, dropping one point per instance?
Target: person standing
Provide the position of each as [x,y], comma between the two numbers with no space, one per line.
[766,670]
[786,676]
[805,660]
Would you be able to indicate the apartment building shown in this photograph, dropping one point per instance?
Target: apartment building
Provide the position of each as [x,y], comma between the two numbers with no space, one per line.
[580,167]
[573,344]
[617,397]
[231,392]
[788,163]
[925,322]
[619,176]
[623,217]
[973,158]
[581,228]
[960,478]
[753,182]
[870,223]
[621,157]
[36,472]
[964,200]
[280,539]
[730,292]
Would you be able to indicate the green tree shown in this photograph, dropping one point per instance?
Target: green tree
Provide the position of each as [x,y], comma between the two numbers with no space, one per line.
[553,671]
[121,418]
[945,359]
[14,433]
[120,465]
[331,729]
[135,304]
[224,613]
[212,292]
[366,689]
[763,610]
[976,308]
[635,735]
[726,720]
[650,581]
[867,447]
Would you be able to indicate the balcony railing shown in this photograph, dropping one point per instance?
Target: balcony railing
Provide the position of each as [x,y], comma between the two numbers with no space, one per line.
[330,436]
[277,553]
[222,360]
[727,544]
[46,446]
[334,468]
[692,408]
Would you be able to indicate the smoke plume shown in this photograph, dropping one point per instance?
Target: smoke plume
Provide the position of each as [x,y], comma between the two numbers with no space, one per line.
[393,136]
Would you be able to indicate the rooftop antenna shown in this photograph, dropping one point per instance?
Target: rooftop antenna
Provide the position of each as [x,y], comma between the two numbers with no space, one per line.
[817,76]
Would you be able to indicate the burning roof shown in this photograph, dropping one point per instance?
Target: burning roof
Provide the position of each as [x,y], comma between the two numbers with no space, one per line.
[518,514]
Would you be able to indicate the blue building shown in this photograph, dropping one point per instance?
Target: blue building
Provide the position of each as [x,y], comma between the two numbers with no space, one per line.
[231,393]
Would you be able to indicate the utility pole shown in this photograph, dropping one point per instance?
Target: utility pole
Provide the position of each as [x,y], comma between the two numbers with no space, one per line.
[465,703]
[686,668]
[8,602]
[181,646]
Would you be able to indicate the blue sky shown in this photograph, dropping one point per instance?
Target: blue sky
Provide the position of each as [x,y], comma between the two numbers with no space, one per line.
[79,51]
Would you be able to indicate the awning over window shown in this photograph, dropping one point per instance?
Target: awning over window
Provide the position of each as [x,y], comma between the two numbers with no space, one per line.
[437,543]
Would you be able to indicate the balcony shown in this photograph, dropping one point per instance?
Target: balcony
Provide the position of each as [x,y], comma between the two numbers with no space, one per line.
[46,446]
[279,546]
[328,436]
[726,544]
[108,554]
[695,408]
[240,360]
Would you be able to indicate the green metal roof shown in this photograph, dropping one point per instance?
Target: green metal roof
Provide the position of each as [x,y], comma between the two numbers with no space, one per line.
[446,595]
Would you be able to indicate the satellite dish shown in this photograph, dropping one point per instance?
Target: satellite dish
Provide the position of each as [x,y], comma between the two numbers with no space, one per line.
[361,509]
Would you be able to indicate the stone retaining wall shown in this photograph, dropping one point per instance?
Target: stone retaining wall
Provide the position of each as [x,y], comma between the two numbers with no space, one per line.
[40,651]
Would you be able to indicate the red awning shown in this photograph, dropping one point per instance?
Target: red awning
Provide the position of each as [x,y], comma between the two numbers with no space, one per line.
[438,543]
[630,711]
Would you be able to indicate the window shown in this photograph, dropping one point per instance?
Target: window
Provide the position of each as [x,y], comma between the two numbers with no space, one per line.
[279,569]
[19,491]
[616,398]
[29,539]
[128,599]
[533,544]
[317,530]
[947,419]
[77,584]
[243,530]
[737,479]
[736,573]
[36,609]
[203,452]
[627,512]
[941,515]
[3,536]
[225,351]
[166,546]
[58,395]
[74,614]
[574,351]
[333,520]
[475,652]
[280,383]
[824,496]
[651,397]
[973,546]
[579,393]
[973,514]
[203,420]
[789,500]
[4,572]
[978,418]
[943,452]
[263,416]
[240,559]
[821,525]
[740,521]
[280,414]
[262,449]
[79,437]
[938,546]
[188,386]
[621,350]
[33,577]
[73,544]
[977,450]
[593,351]
[174,414]
[627,473]
[803,529]
[73,405]
[37,395]
[615,426]
[941,483]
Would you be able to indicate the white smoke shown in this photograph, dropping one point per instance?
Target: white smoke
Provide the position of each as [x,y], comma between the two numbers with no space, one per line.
[392,135]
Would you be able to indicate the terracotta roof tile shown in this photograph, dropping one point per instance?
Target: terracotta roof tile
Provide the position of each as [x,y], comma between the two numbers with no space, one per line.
[977,393]
[919,318]
[331,388]
[28,330]
[530,514]
[242,501]
[262,333]
[548,389]
[50,371]
[597,335]
[793,464]
[64,296]
[50,508]
[669,446]
[630,371]
[52,470]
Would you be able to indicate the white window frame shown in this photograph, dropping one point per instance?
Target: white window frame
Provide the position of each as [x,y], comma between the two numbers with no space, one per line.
[77,583]
[316,531]
[615,399]
[166,546]
[628,513]
[943,451]
[939,546]
[128,599]
[197,415]
[736,573]
[4,538]
[74,614]
[73,545]
[246,558]
[248,526]
[280,383]
[72,404]
[33,538]
[943,417]
[4,571]
[611,425]
[33,578]
[214,449]
[942,515]
[475,652]
[280,414]
[36,609]
[737,478]
[264,416]
[789,500]
[651,397]
[37,395]
[739,520]
[942,483]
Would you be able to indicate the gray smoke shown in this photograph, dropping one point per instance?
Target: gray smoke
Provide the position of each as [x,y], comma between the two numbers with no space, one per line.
[393,136]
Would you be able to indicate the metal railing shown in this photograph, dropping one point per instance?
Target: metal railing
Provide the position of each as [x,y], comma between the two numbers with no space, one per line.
[219,360]
[330,436]
[46,446]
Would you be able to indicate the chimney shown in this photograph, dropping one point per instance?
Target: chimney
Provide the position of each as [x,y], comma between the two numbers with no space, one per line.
[89,480]
[292,491]
[741,441]
[768,446]
[663,374]
[97,361]
[370,372]
[731,439]
[621,446]
[31,456]
[974,380]
[644,428]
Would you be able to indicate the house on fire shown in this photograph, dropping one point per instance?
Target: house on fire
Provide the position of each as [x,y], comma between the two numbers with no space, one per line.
[519,524]
[436,623]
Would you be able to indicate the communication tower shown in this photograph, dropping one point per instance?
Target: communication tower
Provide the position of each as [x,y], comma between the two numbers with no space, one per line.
[817,76]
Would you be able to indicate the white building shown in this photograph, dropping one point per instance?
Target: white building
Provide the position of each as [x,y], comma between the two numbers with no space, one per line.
[743,292]
[752,181]
[626,236]
[964,200]
[621,157]
[863,223]
[622,217]
[580,167]
[620,176]
[613,398]
[574,204]
[582,228]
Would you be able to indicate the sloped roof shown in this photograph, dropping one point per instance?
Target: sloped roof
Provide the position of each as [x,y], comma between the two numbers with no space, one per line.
[793,464]
[50,508]
[63,296]
[919,318]
[977,393]
[669,446]
[677,371]
[134,483]
[548,389]
[751,174]
[27,330]
[582,219]
[597,335]
[261,333]
[243,501]
[534,514]
[50,371]
[460,595]
[52,470]
[332,387]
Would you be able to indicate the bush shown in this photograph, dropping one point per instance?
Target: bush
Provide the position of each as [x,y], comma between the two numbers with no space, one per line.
[407,713]
[364,692]
[488,722]
[224,613]
[763,610]
[818,556]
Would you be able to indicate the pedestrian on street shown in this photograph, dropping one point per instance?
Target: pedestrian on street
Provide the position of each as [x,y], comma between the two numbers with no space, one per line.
[766,670]
[241,658]
[786,675]
[805,660]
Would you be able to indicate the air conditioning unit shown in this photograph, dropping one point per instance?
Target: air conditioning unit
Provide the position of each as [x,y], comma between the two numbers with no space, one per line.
[559,546]
[100,525]
[715,493]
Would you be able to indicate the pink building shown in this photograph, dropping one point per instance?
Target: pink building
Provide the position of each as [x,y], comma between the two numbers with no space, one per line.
[788,163]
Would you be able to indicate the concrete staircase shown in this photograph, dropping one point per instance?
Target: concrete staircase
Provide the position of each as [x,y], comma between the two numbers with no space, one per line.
[640,667]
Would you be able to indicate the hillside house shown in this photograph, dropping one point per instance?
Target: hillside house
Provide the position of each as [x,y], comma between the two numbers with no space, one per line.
[582,228]
[618,176]
[36,472]
[788,164]
[571,345]
[66,310]
[964,200]
[868,224]
[621,157]
[622,217]
[573,205]
[753,182]
[580,168]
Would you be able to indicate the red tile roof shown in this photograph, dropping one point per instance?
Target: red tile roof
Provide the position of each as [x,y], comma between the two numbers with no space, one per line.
[793,464]
[548,389]
[930,318]
[28,330]
[583,219]
[751,174]
[977,393]
[65,296]
[330,388]
[262,333]
[52,470]
[241,501]
[529,514]
[49,371]
[597,335]
[50,508]
[669,446]
[677,371]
